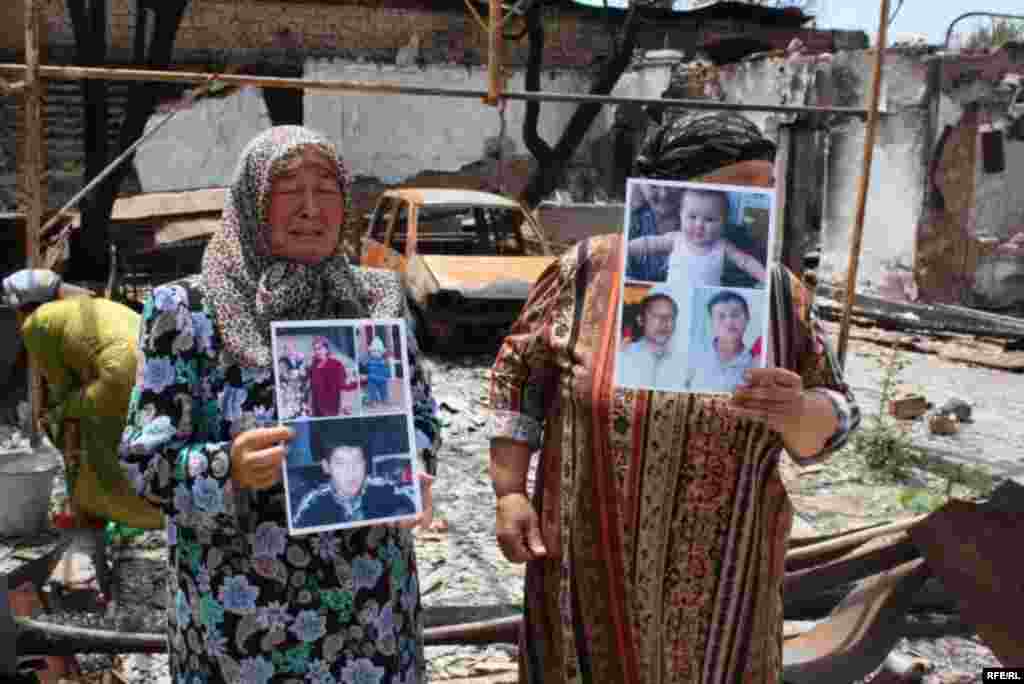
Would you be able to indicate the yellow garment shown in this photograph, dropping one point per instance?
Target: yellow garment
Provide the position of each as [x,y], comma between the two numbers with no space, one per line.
[85,348]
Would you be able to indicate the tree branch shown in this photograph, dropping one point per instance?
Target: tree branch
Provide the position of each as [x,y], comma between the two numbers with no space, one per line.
[89,22]
[537,146]
[551,167]
[609,75]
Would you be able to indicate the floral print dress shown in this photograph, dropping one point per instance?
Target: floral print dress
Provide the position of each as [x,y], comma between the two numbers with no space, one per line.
[248,603]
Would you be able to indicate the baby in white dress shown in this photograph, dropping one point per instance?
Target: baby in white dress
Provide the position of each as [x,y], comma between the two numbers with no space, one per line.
[697,251]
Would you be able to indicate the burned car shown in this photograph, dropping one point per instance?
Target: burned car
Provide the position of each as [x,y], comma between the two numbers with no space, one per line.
[469,257]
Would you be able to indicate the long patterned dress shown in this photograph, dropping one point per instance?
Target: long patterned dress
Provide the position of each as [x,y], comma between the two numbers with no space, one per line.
[664,516]
[249,603]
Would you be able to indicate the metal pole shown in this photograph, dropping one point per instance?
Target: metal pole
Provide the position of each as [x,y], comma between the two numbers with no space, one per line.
[376,87]
[865,180]
[967,15]
[494,29]
[34,175]
[109,169]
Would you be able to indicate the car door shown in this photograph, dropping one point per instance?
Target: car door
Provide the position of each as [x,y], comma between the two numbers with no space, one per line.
[385,241]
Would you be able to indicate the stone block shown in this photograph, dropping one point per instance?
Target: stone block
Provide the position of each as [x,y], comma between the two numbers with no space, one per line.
[908,407]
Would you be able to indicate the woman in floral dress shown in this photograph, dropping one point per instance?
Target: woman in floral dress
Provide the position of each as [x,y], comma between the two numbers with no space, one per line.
[249,603]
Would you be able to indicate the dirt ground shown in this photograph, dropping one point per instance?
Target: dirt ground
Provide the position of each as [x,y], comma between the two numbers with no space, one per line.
[462,570]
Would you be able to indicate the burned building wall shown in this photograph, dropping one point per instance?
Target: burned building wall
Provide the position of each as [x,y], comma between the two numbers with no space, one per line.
[911,247]
[393,137]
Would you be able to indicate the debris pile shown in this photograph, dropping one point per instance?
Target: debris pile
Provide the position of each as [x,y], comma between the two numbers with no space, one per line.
[12,439]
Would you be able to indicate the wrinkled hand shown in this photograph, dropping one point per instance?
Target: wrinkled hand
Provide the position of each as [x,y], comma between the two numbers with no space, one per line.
[427,516]
[518,529]
[257,454]
[775,396]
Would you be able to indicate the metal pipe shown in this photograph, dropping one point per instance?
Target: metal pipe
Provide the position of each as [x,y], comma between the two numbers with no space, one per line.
[865,181]
[104,173]
[846,541]
[967,15]
[494,33]
[375,87]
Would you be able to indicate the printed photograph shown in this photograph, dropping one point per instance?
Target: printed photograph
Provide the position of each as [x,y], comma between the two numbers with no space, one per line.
[688,235]
[652,346]
[317,372]
[351,472]
[728,329]
[379,353]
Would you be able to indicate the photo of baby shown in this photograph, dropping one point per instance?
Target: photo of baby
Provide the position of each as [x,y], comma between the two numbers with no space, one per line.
[728,328]
[695,234]
[317,373]
[351,472]
[379,352]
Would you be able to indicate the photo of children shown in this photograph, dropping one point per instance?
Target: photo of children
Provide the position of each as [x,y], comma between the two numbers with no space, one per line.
[318,375]
[720,235]
[728,328]
[650,355]
[342,387]
[350,472]
[379,353]
[293,383]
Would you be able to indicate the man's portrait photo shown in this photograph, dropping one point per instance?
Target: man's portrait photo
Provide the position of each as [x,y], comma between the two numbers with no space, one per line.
[727,332]
[345,473]
[649,355]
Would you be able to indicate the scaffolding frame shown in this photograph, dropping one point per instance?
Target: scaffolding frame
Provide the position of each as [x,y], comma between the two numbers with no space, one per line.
[33,74]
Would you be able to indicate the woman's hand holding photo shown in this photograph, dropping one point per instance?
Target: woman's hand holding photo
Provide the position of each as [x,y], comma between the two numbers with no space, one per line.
[257,455]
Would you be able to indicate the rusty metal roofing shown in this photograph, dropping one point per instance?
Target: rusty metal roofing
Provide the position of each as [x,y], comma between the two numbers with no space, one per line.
[148,206]
[152,204]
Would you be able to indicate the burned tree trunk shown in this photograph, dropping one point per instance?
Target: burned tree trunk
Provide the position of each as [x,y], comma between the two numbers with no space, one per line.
[552,161]
[90,256]
[89,22]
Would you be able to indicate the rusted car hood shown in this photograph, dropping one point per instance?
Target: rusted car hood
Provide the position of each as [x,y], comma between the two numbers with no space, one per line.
[487,277]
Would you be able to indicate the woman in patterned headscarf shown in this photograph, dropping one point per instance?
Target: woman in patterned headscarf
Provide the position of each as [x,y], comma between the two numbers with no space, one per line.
[249,603]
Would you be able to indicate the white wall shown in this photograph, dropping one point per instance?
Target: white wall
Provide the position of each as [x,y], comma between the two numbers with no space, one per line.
[897,171]
[894,197]
[200,146]
[396,136]
[390,137]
